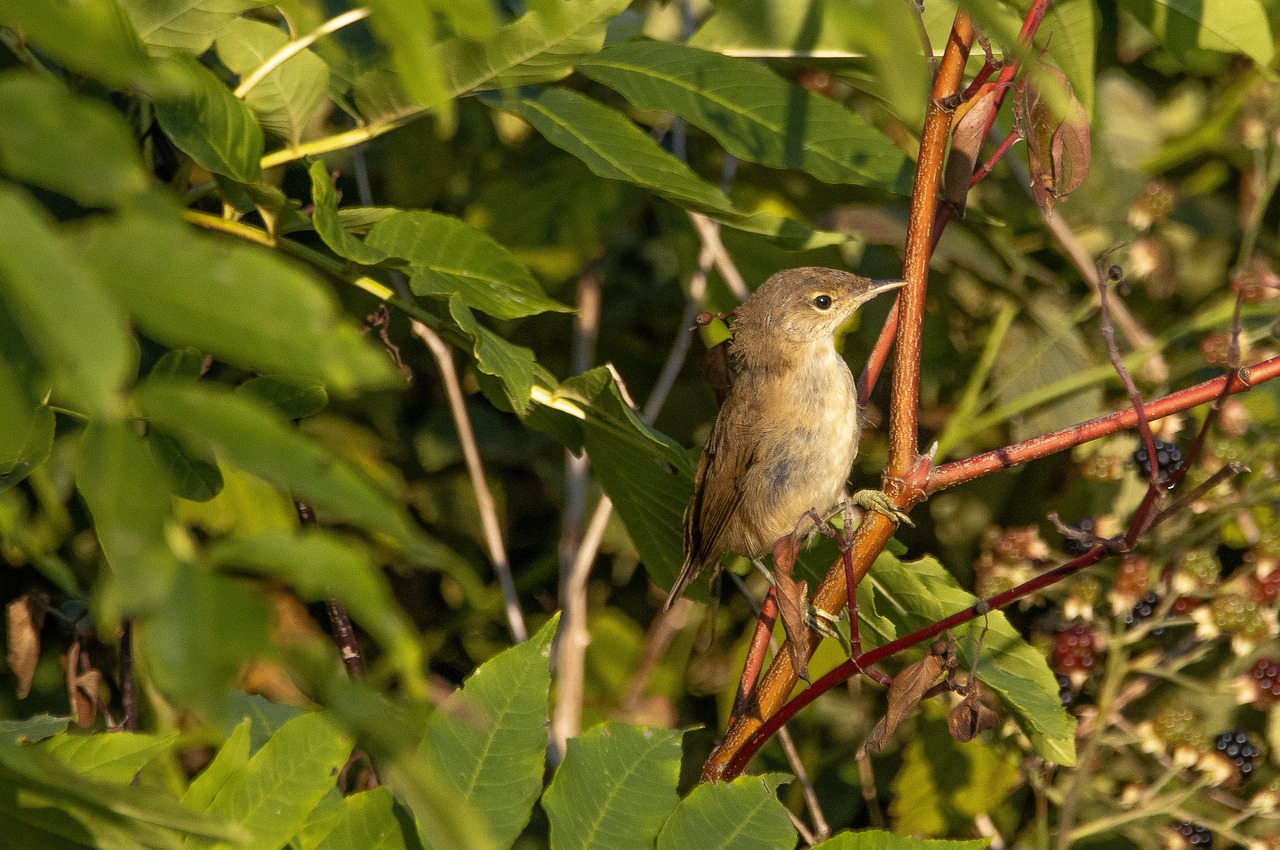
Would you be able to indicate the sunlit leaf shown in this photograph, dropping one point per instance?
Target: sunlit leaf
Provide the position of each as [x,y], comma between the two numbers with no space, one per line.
[744,814]
[188,26]
[214,127]
[289,98]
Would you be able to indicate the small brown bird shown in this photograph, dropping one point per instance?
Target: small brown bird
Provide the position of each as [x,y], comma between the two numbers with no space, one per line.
[785,438]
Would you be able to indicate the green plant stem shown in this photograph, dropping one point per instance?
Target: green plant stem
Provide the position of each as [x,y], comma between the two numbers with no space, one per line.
[1156,807]
[968,403]
[1117,669]
[341,141]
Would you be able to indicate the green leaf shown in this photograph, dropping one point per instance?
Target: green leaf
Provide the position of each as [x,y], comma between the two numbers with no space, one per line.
[755,114]
[190,476]
[365,821]
[326,222]
[230,759]
[34,729]
[186,288]
[199,640]
[75,330]
[291,399]
[188,26]
[24,446]
[943,785]
[513,365]
[743,815]
[214,127]
[45,804]
[288,99]
[615,788]
[107,756]
[320,565]
[875,839]
[490,740]
[448,257]
[1227,26]
[255,439]
[94,37]
[646,474]
[274,791]
[179,363]
[614,148]
[539,47]
[917,593]
[126,495]
[75,146]
[408,29]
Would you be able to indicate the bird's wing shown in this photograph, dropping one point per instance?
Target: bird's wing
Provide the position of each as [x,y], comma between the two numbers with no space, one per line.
[718,486]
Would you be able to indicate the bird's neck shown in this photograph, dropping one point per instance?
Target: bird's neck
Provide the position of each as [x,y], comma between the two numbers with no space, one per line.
[777,354]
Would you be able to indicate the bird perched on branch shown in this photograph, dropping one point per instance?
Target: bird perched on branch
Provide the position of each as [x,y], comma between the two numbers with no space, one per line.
[785,438]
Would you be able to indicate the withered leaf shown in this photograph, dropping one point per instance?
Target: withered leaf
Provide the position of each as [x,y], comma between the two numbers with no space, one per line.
[24,618]
[793,604]
[905,692]
[966,144]
[1056,128]
[972,716]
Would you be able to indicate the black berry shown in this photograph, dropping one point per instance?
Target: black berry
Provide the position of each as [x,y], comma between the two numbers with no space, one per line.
[1168,458]
[1145,609]
[1075,547]
[1196,836]
[1066,692]
[1237,747]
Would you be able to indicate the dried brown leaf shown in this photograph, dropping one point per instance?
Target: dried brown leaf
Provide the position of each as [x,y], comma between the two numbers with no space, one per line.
[905,692]
[1056,128]
[24,618]
[972,716]
[966,145]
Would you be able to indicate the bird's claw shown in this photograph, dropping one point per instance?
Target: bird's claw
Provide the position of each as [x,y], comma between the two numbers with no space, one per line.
[874,500]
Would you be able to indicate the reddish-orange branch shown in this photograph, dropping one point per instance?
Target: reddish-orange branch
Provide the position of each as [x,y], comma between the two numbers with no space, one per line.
[951,474]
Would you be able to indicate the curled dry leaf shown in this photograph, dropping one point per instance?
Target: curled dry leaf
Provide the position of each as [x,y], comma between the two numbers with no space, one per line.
[1056,128]
[793,603]
[24,618]
[972,716]
[905,692]
[966,144]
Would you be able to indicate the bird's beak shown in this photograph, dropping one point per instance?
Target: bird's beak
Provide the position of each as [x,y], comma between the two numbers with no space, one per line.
[884,286]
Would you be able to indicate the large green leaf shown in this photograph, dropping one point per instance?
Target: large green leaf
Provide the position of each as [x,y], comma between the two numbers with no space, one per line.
[615,788]
[321,565]
[646,474]
[196,644]
[876,839]
[107,756]
[188,26]
[447,256]
[915,594]
[490,740]
[229,761]
[274,791]
[755,114]
[125,492]
[364,821]
[326,222]
[613,147]
[408,29]
[238,302]
[45,804]
[513,365]
[214,127]
[74,146]
[744,814]
[26,425]
[255,439]
[1228,26]
[77,333]
[93,37]
[289,98]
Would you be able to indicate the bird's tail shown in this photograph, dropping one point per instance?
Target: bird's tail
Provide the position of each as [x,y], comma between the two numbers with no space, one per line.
[688,572]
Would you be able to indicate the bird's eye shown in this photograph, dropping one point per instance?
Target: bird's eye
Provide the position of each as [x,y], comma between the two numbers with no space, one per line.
[822,302]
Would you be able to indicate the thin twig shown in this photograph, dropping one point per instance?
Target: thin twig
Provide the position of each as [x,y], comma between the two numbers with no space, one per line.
[488,508]
[344,632]
[1117,362]
[292,48]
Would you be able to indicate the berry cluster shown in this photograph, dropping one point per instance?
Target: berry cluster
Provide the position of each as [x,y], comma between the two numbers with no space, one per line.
[1261,684]
[1237,747]
[1168,458]
[1144,610]
[1194,835]
[1075,652]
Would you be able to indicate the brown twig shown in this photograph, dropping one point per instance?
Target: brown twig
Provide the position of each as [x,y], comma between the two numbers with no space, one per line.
[344,633]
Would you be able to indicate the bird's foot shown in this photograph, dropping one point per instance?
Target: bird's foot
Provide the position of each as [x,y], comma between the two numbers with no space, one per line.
[874,500]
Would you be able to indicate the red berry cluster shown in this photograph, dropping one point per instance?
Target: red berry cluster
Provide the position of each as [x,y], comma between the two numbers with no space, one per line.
[1262,683]
[1075,652]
